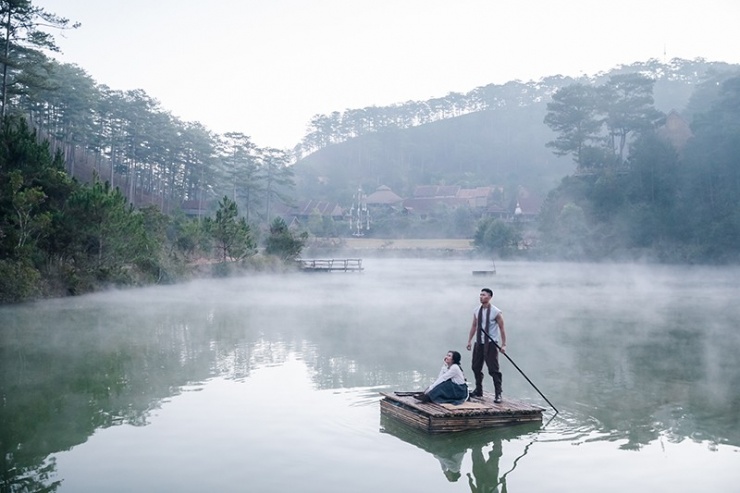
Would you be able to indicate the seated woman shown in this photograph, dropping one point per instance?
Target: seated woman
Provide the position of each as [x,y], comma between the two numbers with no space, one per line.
[450,386]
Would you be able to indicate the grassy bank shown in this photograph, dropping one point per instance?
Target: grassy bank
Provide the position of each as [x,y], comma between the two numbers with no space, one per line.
[379,247]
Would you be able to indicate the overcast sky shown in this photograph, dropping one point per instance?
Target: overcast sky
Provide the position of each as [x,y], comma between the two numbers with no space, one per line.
[265,67]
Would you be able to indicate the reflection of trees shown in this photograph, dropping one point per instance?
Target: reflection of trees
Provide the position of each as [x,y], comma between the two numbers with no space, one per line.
[64,374]
[21,472]
[670,379]
[68,368]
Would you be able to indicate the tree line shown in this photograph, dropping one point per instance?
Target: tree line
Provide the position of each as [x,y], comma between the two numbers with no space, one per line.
[667,200]
[157,154]
[631,192]
[340,126]
[60,237]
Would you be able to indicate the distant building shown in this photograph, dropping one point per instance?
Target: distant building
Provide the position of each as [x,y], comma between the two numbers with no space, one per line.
[528,205]
[301,212]
[477,198]
[428,198]
[383,195]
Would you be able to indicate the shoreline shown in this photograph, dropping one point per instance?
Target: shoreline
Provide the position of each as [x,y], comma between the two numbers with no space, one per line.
[385,247]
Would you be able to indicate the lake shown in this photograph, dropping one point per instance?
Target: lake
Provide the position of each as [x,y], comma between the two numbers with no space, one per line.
[271,383]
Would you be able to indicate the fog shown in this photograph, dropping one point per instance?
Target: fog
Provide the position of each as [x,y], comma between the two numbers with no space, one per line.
[630,355]
[562,320]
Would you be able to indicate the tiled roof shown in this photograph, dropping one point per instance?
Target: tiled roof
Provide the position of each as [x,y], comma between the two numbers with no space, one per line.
[472,193]
[438,191]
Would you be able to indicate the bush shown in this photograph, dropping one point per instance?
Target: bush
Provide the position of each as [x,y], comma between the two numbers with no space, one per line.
[18,281]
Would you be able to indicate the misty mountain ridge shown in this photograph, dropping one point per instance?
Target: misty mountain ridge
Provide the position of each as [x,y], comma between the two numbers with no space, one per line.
[492,135]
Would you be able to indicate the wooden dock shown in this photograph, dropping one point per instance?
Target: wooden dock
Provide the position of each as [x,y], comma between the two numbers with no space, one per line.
[330,265]
[475,414]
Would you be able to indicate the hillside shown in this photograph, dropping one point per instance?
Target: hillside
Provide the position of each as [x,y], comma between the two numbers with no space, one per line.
[501,144]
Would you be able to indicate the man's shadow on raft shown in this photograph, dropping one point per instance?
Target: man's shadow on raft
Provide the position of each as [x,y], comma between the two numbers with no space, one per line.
[450,449]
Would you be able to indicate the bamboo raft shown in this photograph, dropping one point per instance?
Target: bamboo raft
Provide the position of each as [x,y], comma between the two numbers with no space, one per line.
[476,414]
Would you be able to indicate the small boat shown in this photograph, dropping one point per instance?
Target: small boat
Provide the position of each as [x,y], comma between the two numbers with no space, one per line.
[475,414]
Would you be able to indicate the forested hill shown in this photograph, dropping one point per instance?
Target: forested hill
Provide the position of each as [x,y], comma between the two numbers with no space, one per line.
[493,135]
[503,146]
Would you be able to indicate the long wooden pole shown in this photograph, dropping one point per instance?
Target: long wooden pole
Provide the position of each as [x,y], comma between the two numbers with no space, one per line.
[520,370]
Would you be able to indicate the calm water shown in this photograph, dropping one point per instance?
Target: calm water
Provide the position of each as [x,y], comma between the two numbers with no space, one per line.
[271,383]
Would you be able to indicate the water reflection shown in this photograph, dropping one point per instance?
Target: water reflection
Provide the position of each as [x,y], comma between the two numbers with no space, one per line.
[485,446]
[625,361]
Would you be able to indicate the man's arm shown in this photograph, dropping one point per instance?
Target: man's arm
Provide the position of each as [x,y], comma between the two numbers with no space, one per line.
[473,327]
[500,322]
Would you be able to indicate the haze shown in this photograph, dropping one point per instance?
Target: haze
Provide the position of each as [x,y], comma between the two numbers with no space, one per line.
[265,68]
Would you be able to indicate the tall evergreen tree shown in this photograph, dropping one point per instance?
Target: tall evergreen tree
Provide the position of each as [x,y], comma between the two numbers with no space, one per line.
[627,101]
[232,234]
[21,39]
[574,115]
[277,178]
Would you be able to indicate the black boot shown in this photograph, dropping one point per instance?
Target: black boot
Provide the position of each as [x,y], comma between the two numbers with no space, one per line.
[421,396]
[478,392]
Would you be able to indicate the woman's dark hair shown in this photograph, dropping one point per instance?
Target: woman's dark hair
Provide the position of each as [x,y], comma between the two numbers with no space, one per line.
[455,357]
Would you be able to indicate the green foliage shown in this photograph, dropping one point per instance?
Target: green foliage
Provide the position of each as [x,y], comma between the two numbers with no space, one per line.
[463,223]
[19,281]
[283,243]
[57,237]
[23,35]
[106,232]
[593,124]
[188,237]
[710,175]
[322,226]
[28,222]
[573,114]
[232,234]
[669,204]
[493,236]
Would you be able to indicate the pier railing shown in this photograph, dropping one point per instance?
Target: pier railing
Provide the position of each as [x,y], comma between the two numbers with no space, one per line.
[334,264]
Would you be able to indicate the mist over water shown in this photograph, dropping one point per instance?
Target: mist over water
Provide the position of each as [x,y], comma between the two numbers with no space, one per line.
[273,381]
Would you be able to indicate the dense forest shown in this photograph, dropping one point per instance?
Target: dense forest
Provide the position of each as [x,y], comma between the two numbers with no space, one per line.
[674,197]
[94,182]
[65,229]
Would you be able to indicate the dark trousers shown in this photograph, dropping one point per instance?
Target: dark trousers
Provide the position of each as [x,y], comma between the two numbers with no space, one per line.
[489,354]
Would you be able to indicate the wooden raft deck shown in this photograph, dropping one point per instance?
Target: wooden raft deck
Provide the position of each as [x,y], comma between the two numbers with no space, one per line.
[476,414]
[329,265]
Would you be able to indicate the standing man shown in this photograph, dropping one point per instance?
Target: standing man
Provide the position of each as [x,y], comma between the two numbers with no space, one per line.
[488,324]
